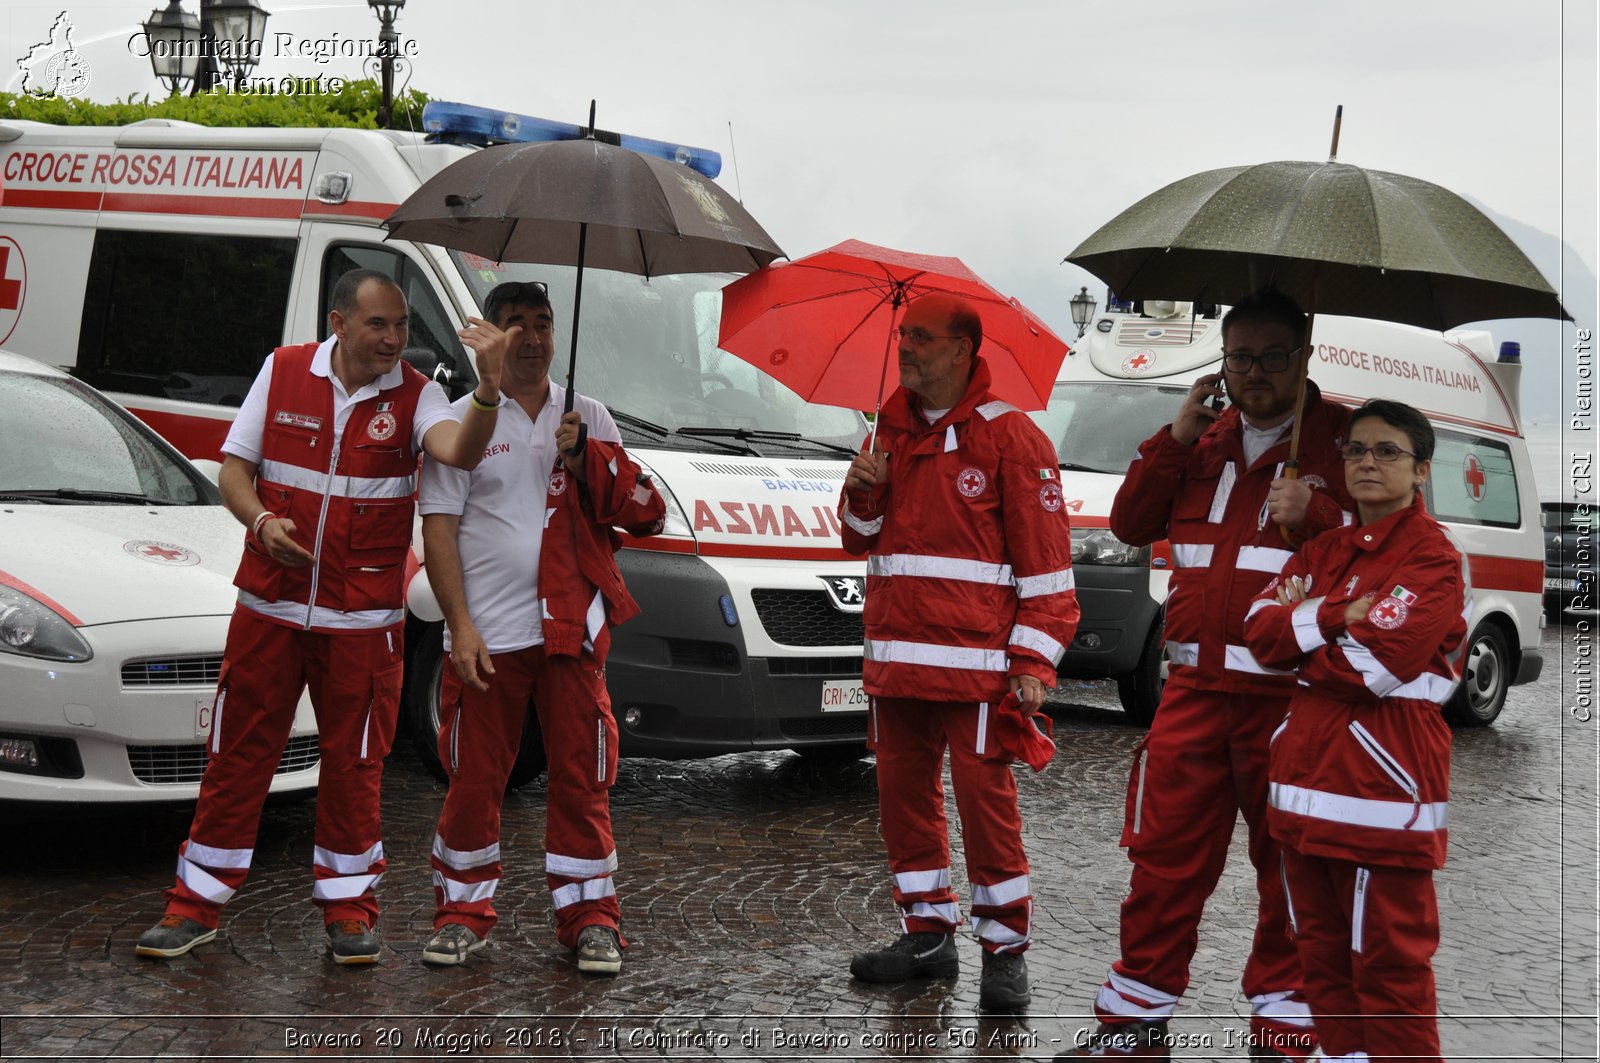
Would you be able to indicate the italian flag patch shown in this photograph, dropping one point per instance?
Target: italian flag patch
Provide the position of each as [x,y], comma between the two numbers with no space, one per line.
[1403,594]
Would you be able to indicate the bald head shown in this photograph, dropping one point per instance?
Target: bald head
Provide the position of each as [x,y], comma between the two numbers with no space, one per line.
[953,315]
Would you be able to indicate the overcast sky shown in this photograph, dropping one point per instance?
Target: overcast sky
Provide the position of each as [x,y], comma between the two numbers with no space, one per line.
[1004,133]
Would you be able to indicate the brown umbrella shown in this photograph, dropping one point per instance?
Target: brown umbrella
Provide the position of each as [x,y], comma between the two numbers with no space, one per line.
[584,203]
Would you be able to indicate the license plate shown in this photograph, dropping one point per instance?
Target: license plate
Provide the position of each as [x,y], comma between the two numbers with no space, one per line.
[1551,583]
[843,695]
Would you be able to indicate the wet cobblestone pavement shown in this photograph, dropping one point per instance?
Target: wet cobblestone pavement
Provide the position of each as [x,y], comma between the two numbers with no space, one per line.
[746,882]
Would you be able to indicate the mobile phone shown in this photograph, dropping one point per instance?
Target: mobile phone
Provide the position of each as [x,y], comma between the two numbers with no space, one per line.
[1217,403]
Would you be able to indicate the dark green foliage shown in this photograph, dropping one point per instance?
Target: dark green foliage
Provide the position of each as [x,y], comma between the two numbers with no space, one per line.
[354,105]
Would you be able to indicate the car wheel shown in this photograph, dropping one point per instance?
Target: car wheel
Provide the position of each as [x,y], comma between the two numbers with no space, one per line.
[1486,676]
[424,680]
[1140,689]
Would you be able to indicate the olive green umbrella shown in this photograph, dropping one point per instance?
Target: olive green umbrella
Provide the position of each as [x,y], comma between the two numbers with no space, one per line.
[1337,238]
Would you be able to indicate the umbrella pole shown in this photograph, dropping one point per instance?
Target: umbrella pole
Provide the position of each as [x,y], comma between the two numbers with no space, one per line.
[888,347]
[572,357]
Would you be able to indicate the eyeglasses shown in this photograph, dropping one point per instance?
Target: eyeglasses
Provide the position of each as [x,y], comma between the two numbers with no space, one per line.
[1270,361]
[921,337]
[1381,451]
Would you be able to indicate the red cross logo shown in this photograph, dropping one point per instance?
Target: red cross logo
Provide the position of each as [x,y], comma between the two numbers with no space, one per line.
[13,288]
[162,552]
[10,290]
[1475,480]
[1140,361]
[1389,613]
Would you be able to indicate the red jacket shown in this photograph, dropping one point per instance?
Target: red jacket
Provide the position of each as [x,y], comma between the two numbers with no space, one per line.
[970,576]
[1224,546]
[1360,768]
[351,499]
[582,593]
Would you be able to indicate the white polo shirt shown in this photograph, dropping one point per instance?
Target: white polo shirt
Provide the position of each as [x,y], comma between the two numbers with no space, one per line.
[244,438]
[501,504]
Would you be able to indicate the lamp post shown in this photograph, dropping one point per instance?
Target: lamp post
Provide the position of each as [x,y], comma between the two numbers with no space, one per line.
[185,49]
[1082,310]
[388,54]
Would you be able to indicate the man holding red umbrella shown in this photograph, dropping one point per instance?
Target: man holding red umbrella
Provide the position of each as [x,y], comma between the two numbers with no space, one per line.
[970,605]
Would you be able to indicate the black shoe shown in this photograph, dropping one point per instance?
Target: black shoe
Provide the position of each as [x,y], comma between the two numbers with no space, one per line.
[173,936]
[1003,988]
[926,955]
[1125,1040]
[352,942]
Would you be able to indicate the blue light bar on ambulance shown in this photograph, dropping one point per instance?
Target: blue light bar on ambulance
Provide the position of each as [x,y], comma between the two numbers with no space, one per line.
[462,123]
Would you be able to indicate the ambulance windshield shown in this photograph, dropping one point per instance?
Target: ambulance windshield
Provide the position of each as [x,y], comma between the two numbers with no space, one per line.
[1098,427]
[647,348]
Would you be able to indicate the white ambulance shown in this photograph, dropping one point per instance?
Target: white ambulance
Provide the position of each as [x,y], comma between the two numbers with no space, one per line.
[161,262]
[1126,378]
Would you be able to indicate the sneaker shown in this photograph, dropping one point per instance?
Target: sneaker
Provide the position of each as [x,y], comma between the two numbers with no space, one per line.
[173,936]
[1125,1040]
[1003,986]
[599,950]
[924,955]
[352,942]
[450,945]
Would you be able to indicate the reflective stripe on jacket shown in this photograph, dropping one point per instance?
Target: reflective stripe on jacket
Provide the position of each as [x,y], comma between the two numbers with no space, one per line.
[351,499]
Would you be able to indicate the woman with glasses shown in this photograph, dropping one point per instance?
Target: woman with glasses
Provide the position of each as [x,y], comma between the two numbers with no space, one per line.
[1371,616]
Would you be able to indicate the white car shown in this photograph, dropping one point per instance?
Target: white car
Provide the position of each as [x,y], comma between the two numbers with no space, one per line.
[116,585]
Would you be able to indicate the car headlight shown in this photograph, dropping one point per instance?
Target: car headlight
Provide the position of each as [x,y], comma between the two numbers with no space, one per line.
[29,628]
[677,521]
[1097,546]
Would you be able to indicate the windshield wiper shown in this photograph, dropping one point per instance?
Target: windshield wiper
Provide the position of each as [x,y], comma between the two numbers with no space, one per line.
[1068,466]
[640,423]
[764,435]
[74,494]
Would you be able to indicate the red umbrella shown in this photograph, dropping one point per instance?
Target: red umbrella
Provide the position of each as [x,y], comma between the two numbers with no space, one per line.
[824,325]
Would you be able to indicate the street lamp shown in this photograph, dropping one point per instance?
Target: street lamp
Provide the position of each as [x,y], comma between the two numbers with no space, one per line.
[388,53]
[1082,310]
[185,49]
[173,37]
[236,28]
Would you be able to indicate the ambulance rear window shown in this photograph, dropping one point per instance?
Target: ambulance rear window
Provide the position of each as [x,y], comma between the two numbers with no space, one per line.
[182,316]
[1473,481]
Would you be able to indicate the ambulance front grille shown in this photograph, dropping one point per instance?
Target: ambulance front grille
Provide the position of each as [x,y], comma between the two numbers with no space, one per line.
[806,618]
[168,765]
[173,671]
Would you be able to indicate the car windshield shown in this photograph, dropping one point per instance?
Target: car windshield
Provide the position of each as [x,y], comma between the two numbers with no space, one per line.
[60,442]
[1098,427]
[647,348]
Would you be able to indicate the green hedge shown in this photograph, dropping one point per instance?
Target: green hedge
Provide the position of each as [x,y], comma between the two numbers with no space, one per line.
[355,105]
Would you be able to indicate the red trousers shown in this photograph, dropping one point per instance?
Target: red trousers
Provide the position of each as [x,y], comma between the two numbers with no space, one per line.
[1203,762]
[478,741]
[355,680]
[911,738]
[1367,936]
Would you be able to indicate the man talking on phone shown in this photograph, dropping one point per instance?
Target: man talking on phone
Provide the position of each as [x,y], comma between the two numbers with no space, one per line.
[1213,484]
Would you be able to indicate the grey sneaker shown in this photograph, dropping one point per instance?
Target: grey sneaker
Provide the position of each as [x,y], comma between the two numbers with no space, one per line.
[599,950]
[920,955]
[173,936]
[352,942]
[450,945]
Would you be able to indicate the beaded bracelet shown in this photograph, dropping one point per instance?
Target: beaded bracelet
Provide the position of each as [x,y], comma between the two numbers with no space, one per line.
[485,406]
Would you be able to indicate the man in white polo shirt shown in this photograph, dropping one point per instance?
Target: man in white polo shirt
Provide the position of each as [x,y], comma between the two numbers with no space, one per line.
[519,553]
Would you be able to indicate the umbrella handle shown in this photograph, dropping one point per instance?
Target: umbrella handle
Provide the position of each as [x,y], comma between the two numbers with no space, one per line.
[1291,467]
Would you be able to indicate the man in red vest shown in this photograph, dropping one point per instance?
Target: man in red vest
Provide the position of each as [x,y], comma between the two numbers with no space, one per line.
[321,468]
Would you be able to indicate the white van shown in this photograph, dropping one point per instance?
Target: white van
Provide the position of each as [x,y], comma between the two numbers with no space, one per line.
[162,261]
[1126,378]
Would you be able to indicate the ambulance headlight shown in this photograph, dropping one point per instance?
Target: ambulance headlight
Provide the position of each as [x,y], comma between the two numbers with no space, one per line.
[677,520]
[1097,546]
[29,628]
